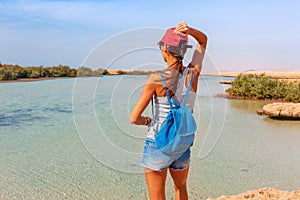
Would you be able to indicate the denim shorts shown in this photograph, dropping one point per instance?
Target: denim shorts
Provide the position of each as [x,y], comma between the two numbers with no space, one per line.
[155,160]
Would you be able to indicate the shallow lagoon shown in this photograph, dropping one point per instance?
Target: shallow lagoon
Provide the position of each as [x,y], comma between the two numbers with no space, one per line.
[71,139]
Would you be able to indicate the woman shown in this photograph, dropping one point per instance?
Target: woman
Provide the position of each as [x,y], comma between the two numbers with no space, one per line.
[173,46]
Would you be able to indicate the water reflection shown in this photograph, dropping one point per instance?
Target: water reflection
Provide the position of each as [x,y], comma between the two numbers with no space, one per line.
[251,106]
[246,105]
[282,123]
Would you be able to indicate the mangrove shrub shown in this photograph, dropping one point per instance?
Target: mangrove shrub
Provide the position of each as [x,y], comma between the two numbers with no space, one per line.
[264,87]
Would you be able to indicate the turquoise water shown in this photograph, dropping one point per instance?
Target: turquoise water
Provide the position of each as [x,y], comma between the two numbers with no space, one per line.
[71,139]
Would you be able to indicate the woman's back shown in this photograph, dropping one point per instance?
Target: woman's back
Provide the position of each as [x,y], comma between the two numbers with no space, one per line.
[161,107]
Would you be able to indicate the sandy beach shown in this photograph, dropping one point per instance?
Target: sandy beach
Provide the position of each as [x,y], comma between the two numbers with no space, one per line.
[263,194]
[34,79]
[281,75]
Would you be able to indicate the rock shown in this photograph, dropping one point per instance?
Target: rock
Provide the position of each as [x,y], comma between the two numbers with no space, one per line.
[260,111]
[281,110]
[263,194]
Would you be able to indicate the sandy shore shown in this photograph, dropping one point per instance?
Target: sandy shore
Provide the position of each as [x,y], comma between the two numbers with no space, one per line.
[33,79]
[264,194]
[287,76]
[291,76]
[281,75]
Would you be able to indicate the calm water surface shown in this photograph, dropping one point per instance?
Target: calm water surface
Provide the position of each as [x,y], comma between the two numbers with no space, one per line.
[71,139]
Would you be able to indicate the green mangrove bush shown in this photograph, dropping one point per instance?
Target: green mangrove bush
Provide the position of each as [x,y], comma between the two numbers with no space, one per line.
[264,87]
[13,72]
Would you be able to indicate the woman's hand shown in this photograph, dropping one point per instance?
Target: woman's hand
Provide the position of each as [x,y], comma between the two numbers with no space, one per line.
[201,38]
[182,28]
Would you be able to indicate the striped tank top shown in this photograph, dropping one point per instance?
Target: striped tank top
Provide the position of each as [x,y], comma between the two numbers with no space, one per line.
[161,107]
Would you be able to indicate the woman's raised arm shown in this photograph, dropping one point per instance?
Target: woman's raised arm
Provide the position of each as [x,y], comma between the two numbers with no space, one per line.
[201,38]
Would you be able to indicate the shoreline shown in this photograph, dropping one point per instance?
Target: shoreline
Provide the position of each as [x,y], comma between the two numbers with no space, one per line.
[229,96]
[273,74]
[289,76]
[35,79]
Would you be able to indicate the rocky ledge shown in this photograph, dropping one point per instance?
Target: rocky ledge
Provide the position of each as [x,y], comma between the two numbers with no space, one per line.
[281,110]
[263,194]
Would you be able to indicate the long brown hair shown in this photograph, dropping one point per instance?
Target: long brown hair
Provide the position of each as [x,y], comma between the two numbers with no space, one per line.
[172,75]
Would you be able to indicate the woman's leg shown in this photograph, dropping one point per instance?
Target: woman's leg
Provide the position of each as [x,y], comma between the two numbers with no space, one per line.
[179,179]
[156,181]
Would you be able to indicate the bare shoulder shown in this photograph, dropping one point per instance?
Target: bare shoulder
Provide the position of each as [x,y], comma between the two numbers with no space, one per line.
[154,78]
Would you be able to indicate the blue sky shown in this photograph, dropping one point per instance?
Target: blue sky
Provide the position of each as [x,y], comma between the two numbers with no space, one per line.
[243,35]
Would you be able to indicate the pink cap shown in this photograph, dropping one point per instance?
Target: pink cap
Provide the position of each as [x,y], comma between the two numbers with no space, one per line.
[173,39]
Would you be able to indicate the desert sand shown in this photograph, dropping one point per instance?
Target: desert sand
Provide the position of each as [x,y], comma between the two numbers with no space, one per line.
[289,76]
[282,75]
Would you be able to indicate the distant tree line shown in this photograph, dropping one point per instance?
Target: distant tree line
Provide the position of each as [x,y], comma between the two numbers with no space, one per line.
[86,72]
[13,72]
[264,87]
